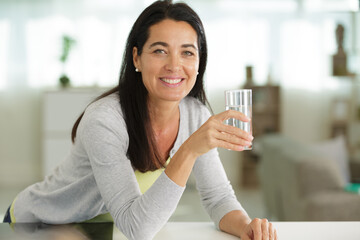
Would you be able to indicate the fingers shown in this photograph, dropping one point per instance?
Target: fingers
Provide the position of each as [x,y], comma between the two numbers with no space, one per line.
[232,114]
[257,229]
[217,122]
[272,232]
[232,139]
[263,230]
[235,131]
[229,146]
[214,133]
[228,137]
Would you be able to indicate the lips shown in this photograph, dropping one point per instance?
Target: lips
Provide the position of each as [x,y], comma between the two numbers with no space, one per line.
[171,80]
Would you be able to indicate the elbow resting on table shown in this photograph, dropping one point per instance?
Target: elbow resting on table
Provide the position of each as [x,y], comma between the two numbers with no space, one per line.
[133,229]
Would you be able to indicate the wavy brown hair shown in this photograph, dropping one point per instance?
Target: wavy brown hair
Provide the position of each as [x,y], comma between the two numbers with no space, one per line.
[142,150]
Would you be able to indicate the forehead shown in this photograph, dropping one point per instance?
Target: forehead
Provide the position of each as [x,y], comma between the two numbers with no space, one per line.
[172,31]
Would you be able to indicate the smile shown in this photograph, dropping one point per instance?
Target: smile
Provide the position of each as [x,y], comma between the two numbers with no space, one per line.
[171,81]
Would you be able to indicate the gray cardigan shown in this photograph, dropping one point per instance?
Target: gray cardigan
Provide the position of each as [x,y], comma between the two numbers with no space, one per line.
[97,177]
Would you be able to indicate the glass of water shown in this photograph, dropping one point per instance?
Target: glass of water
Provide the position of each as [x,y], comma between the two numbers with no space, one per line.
[240,100]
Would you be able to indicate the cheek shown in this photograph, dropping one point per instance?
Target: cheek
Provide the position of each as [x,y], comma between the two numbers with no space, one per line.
[192,67]
[149,64]
[148,72]
[194,76]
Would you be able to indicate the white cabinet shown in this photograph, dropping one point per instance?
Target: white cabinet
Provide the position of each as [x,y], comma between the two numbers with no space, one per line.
[60,110]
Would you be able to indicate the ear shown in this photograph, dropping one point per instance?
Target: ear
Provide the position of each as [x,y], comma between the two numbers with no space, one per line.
[136,58]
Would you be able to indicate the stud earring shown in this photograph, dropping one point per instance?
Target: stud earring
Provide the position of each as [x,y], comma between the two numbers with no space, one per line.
[136,70]
[197,73]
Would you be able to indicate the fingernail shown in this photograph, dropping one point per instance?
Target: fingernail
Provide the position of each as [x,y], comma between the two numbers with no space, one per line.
[251,137]
[248,143]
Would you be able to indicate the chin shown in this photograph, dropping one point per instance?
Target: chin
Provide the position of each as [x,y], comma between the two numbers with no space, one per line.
[176,98]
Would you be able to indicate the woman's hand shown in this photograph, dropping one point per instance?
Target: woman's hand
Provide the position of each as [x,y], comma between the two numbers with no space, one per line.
[215,133]
[259,229]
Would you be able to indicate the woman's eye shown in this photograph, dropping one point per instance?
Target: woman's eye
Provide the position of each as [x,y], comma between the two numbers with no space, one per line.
[161,51]
[188,53]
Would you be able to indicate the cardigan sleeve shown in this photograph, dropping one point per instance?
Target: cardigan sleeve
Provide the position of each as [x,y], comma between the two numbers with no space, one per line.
[216,192]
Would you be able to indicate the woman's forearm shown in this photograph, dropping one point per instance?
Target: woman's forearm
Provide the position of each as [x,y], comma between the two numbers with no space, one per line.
[181,164]
[234,222]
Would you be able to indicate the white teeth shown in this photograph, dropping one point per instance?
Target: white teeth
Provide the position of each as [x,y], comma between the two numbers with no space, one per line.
[171,81]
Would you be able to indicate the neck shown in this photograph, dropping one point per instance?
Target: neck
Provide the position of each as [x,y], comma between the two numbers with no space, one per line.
[163,114]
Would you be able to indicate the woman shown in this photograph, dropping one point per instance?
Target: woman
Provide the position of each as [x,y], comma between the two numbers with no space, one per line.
[136,145]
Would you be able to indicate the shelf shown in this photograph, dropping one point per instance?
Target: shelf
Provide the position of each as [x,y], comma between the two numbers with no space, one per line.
[266,118]
[267,112]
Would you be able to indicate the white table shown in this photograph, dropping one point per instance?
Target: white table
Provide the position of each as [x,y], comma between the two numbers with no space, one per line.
[286,231]
[179,231]
[318,230]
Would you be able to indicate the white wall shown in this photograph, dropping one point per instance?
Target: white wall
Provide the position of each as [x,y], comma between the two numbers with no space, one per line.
[20,138]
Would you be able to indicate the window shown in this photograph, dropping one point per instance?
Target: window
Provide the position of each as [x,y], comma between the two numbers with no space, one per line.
[234,44]
[43,44]
[94,59]
[4,33]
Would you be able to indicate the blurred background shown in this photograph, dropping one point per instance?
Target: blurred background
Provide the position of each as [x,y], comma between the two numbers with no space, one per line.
[300,57]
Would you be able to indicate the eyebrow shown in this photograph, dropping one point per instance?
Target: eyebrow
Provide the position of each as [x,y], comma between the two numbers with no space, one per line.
[164,44]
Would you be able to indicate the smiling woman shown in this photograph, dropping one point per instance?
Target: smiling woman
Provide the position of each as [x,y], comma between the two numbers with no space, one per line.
[169,61]
[135,146]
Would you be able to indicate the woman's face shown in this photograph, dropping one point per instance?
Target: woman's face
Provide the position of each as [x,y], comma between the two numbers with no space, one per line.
[169,61]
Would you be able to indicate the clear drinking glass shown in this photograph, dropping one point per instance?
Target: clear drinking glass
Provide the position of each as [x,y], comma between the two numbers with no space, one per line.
[240,100]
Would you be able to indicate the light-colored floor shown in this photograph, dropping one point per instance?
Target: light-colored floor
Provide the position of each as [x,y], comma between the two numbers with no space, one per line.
[189,208]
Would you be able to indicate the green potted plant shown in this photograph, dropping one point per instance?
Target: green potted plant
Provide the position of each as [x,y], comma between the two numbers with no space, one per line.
[67,44]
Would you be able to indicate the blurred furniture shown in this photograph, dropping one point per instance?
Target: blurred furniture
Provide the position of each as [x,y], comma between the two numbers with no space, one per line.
[60,109]
[300,183]
[354,141]
[345,108]
[340,117]
[266,119]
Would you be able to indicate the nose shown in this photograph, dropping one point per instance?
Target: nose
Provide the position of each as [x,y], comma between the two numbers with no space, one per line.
[173,63]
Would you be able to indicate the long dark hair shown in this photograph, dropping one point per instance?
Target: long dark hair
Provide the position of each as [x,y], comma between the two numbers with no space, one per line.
[142,150]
